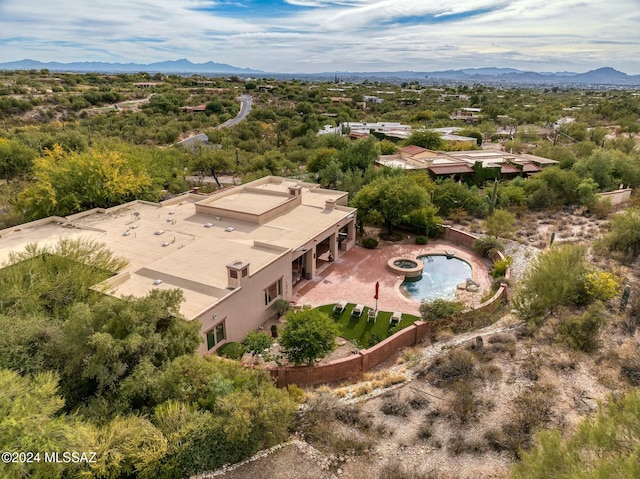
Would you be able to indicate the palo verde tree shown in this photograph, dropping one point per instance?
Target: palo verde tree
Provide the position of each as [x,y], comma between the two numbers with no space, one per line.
[603,446]
[624,237]
[71,182]
[389,199]
[308,335]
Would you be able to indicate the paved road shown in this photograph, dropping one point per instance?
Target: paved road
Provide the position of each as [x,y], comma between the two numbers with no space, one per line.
[245,108]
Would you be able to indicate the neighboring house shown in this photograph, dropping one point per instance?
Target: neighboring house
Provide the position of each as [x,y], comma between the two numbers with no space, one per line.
[198,108]
[469,115]
[232,254]
[147,84]
[372,99]
[389,128]
[459,164]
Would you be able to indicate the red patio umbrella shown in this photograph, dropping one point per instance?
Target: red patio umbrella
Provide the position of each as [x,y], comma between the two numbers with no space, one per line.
[376,295]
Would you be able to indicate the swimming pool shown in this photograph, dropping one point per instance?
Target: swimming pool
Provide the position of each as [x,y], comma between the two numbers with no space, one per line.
[440,277]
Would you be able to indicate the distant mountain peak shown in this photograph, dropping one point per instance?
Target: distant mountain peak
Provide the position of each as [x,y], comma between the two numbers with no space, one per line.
[181,65]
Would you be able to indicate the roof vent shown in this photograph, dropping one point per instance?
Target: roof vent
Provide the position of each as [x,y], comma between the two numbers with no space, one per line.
[165,244]
[157,281]
[208,225]
[172,212]
[126,233]
[229,229]
[159,232]
[133,227]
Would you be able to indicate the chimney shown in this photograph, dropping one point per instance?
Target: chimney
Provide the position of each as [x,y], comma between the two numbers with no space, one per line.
[295,190]
[330,204]
[235,272]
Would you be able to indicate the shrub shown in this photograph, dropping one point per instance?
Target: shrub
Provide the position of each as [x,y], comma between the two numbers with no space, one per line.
[257,342]
[394,406]
[369,243]
[421,240]
[231,350]
[601,286]
[581,332]
[483,246]
[457,365]
[500,267]
[308,335]
[557,278]
[440,309]
[281,306]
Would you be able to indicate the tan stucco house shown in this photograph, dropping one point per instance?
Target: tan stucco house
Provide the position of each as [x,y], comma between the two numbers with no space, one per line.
[232,253]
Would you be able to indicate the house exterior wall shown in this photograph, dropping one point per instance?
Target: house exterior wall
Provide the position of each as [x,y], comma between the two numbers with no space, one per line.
[244,309]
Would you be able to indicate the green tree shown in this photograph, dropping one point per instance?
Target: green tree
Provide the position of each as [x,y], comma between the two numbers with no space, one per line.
[71,182]
[425,139]
[556,278]
[257,342]
[624,237]
[30,420]
[604,446]
[51,279]
[308,335]
[581,332]
[501,223]
[107,342]
[16,159]
[390,199]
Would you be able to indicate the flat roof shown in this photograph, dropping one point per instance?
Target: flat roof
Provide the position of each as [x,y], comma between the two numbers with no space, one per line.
[184,249]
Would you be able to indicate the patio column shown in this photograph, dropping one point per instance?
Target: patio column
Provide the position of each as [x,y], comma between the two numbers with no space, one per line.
[333,245]
[351,234]
[310,263]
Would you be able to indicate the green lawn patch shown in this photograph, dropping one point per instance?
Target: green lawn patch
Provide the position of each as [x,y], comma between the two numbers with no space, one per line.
[366,334]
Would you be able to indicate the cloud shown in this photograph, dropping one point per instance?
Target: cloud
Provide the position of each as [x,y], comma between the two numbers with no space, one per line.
[313,35]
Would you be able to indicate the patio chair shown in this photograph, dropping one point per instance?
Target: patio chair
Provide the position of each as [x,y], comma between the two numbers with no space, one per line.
[395,319]
[372,315]
[357,311]
[338,308]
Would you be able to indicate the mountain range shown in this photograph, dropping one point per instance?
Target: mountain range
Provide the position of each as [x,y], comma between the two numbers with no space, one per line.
[173,66]
[600,76]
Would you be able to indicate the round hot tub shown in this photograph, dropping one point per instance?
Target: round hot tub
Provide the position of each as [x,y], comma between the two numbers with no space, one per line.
[408,267]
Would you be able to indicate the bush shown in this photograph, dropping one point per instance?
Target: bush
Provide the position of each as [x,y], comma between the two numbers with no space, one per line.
[281,306]
[557,278]
[483,246]
[500,267]
[421,240]
[231,350]
[457,365]
[440,309]
[369,243]
[581,332]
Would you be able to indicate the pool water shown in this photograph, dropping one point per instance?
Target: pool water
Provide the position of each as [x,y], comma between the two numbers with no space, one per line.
[439,279]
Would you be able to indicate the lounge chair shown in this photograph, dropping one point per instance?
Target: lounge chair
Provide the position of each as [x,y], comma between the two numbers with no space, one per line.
[357,310]
[339,307]
[395,319]
[372,315]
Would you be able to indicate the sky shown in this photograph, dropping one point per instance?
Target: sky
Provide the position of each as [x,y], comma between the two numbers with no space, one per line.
[311,36]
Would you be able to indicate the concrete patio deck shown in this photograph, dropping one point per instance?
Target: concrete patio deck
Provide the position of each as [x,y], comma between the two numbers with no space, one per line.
[353,276]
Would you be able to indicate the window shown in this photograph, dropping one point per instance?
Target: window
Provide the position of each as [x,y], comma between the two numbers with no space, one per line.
[216,335]
[273,292]
[233,273]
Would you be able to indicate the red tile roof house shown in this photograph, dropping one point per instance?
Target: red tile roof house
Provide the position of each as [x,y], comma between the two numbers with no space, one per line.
[198,108]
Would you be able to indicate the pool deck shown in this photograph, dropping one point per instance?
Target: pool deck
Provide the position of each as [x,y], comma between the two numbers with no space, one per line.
[353,276]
